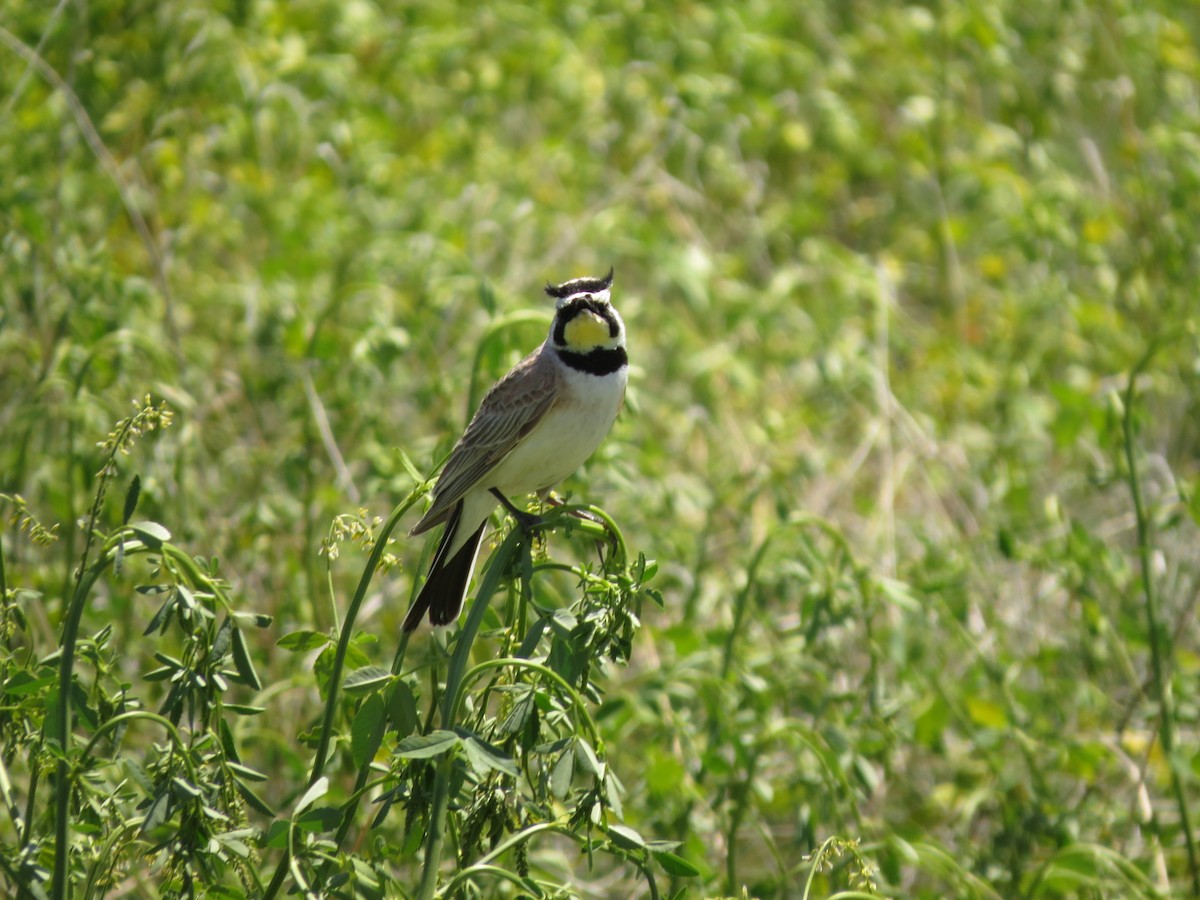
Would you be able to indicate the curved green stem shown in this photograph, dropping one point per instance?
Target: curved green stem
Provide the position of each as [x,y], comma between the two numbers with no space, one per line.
[118,720]
[335,675]
[740,604]
[471,872]
[347,633]
[519,663]
[522,836]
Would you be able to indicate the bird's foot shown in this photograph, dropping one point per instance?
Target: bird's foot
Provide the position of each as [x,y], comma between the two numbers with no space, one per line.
[526,520]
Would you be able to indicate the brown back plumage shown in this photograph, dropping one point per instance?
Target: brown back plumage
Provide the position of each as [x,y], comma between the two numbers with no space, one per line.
[509,411]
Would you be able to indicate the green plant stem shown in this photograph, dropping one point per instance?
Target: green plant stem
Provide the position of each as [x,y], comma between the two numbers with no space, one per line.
[347,633]
[604,520]
[436,836]
[31,802]
[521,836]
[741,798]
[740,603]
[108,858]
[62,723]
[1158,653]
[339,662]
[364,771]
[500,874]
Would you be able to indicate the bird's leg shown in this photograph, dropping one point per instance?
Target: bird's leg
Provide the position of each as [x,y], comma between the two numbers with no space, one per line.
[525,519]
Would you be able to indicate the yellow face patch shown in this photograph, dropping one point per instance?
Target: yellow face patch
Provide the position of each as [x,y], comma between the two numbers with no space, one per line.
[586,330]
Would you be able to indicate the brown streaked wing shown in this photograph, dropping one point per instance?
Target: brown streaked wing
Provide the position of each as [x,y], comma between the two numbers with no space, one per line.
[508,412]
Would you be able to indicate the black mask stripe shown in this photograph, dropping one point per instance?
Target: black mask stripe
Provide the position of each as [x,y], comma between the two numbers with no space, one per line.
[613,329]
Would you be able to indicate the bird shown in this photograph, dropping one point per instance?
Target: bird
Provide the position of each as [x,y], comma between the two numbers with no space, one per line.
[534,427]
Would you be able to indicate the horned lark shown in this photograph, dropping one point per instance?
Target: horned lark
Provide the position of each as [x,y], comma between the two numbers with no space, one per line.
[534,428]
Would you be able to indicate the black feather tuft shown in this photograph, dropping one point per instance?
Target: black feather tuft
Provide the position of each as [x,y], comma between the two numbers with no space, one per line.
[580,286]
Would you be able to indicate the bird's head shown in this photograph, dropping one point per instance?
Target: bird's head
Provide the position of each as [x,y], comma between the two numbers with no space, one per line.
[584,317]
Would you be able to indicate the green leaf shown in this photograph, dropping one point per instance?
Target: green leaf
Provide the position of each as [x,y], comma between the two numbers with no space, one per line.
[424,746]
[303,641]
[318,819]
[246,772]
[402,709]
[186,598]
[131,499]
[562,774]
[235,846]
[228,743]
[244,710]
[522,707]
[412,839]
[366,731]
[151,534]
[277,834]
[484,758]
[242,662]
[367,679]
[187,787]
[588,762]
[625,837]
[663,846]
[407,465]
[900,594]
[675,866]
[160,618]
[315,792]
[222,640]
[563,623]
[158,813]
[24,682]
[987,713]
[613,789]
[532,637]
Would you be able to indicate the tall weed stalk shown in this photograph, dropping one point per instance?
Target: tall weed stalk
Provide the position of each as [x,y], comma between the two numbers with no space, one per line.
[1162,653]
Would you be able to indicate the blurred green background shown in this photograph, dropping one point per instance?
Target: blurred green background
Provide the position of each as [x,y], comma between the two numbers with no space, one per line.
[886,270]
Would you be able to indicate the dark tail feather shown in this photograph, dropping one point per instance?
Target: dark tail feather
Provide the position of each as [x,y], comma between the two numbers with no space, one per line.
[443,592]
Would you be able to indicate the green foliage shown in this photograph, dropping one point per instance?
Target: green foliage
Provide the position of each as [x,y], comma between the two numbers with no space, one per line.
[911,435]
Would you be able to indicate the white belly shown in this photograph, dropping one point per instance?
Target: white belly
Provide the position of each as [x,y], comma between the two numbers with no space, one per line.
[565,438]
